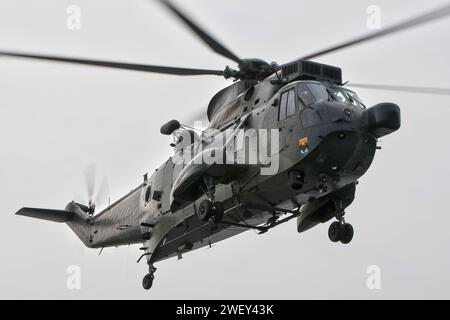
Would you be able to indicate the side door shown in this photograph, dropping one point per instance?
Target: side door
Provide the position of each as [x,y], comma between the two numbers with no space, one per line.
[286,116]
[167,182]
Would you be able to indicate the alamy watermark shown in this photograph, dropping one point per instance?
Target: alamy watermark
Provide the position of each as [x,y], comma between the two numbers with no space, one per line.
[239,146]
[73,281]
[374,17]
[374,279]
[73,21]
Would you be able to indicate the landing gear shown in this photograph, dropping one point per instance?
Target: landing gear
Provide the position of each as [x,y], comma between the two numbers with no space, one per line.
[334,231]
[209,209]
[147,281]
[205,210]
[218,212]
[347,234]
[340,230]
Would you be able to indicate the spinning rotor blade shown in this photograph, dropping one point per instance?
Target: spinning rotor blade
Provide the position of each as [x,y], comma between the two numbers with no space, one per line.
[97,195]
[196,114]
[215,45]
[426,90]
[439,13]
[89,178]
[117,65]
[102,195]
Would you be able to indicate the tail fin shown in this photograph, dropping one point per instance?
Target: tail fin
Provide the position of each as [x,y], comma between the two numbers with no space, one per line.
[73,216]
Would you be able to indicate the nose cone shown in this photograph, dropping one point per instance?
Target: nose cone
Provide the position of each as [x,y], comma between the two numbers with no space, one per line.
[382,119]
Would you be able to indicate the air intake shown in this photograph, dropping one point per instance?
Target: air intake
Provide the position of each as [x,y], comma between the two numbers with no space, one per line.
[309,70]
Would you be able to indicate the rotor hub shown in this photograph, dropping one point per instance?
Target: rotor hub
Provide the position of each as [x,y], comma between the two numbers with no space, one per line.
[251,69]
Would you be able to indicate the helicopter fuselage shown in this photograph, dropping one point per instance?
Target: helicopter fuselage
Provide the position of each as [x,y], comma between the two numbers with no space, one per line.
[323,145]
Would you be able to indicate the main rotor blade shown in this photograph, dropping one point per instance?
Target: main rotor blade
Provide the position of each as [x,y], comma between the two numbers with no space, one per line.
[215,45]
[426,90]
[117,65]
[410,23]
[196,117]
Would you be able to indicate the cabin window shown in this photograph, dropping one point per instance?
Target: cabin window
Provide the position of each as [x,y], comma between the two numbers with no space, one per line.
[287,104]
[283,105]
[148,193]
[291,104]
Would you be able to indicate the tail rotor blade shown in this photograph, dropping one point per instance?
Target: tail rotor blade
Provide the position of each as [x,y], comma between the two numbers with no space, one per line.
[89,178]
[102,193]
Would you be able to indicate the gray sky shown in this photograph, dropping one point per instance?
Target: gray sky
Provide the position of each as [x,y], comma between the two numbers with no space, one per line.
[57,119]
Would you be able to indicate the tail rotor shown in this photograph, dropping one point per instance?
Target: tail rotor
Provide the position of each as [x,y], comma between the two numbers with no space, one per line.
[96,194]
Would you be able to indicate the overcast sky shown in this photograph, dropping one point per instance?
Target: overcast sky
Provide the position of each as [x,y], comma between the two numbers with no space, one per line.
[56,119]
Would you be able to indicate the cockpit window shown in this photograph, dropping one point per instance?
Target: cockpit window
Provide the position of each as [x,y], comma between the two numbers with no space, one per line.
[354,99]
[339,96]
[310,118]
[283,106]
[319,91]
[305,95]
[309,93]
[287,104]
[290,110]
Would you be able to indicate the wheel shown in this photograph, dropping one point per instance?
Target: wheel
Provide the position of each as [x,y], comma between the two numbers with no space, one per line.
[217,212]
[335,231]
[347,233]
[147,282]
[205,210]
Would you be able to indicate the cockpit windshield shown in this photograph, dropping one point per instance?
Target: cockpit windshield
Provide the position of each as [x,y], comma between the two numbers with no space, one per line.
[354,98]
[338,95]
[310,92]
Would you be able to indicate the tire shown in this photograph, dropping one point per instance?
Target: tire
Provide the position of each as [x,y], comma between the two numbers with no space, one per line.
[205,210]
[335,231]
[347,233]
[147,281]
[218,212]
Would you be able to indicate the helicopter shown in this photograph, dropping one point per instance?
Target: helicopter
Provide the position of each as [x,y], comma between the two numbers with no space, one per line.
[284,141]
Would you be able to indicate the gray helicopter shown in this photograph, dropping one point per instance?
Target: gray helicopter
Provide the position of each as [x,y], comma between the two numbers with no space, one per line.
[284,141]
